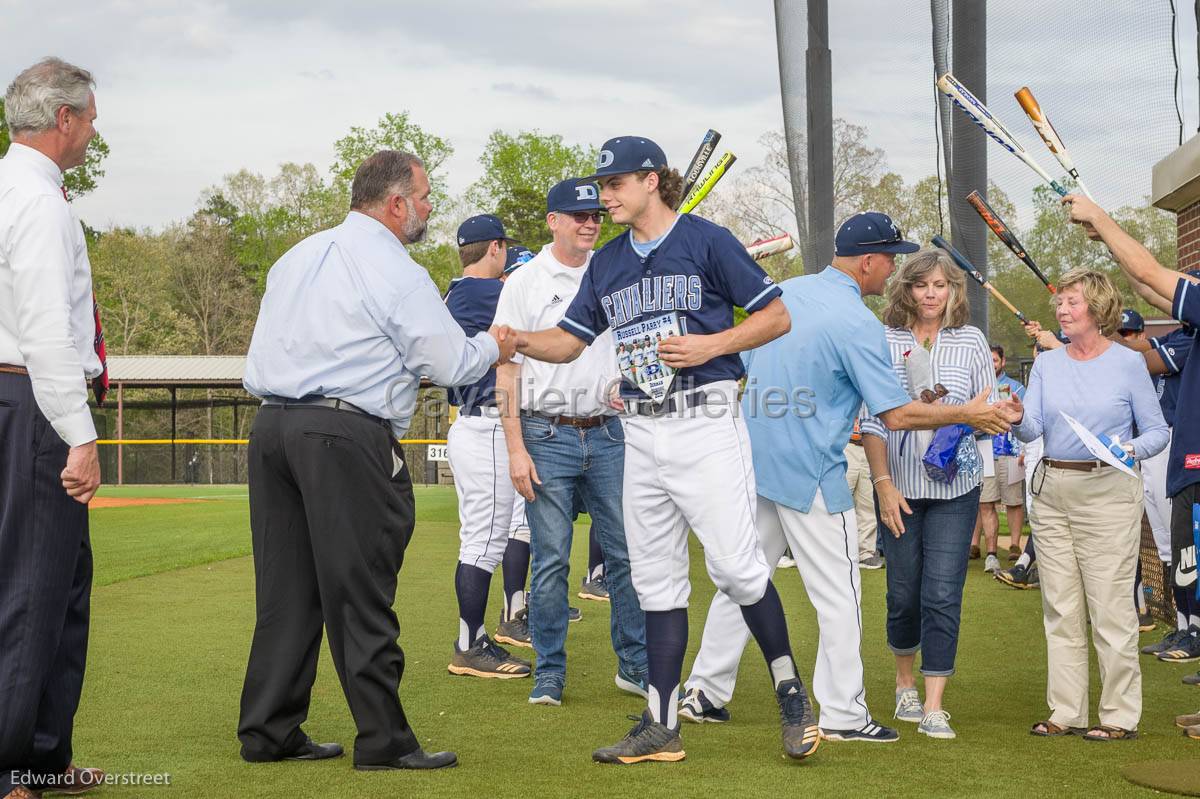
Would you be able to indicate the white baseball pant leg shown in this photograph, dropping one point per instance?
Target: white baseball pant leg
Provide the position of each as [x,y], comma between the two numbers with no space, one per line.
[479,459]
[1158,504]
[692,469]
[825,548]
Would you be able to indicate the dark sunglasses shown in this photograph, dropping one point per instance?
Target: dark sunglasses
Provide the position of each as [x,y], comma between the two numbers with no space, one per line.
[581,217]
[895,239]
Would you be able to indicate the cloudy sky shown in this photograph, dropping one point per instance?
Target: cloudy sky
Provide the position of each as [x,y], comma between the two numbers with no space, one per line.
[190,90]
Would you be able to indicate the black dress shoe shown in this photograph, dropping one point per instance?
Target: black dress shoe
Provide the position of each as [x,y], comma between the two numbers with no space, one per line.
[315,751]
[418,759]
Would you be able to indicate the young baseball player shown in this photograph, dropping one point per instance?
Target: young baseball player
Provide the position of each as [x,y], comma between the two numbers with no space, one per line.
[687,455]
[479,458]
[803,391]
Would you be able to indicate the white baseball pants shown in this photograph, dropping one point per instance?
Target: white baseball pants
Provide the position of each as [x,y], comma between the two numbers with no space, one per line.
[479,459]
[824,546]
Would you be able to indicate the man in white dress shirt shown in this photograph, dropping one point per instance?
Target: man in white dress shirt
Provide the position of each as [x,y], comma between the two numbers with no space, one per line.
[348,326]
[49,470]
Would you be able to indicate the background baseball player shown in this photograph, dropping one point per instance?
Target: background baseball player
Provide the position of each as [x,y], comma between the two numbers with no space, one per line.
[682,468]
[479,458]
[834,359]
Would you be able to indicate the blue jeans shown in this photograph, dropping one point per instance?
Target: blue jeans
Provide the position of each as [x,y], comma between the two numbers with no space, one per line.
[926,569]
[592,462]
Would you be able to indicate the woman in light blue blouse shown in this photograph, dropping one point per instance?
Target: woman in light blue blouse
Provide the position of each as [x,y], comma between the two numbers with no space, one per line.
[926,525]
[1086,515]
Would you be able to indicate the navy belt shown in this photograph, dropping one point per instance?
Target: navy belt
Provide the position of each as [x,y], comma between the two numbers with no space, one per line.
[676,402]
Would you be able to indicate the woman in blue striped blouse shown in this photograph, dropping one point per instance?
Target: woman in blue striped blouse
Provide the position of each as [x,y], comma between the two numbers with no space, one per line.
[927,525]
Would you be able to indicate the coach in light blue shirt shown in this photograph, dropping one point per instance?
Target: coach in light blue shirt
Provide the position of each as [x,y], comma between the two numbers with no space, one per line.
[348,325]
[802,393]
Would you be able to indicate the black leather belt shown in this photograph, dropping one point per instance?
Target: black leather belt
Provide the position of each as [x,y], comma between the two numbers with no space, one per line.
[676,402]
[319,402]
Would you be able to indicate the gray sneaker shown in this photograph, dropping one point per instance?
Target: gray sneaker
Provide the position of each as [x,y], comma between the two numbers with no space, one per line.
[648,740]
[515,631]
[908,706]
[992,564]
[801,735]
[936,724]
[485,659]
[871,562]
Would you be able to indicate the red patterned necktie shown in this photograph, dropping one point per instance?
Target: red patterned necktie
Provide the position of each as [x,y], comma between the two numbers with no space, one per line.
[100,382]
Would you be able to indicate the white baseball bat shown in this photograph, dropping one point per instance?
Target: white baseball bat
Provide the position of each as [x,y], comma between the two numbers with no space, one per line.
[981,116]
[1049,135]
[773,246]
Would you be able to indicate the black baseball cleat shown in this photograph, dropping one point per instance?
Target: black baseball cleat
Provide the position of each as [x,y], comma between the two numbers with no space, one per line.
[1022,577]
[801,735]
[420,759]
[694,706]
[1192,679]
[869,732]
[1168,642]
[515,631]
[1185,650]
[485,659]
[647,741]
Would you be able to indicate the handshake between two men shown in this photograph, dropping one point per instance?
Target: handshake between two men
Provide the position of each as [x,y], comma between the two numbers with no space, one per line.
[557,346]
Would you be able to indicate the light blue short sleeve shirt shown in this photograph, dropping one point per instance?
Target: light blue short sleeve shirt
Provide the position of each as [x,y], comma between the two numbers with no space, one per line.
[804,390]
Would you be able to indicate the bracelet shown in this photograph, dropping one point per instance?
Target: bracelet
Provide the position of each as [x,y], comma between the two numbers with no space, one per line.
[878,480]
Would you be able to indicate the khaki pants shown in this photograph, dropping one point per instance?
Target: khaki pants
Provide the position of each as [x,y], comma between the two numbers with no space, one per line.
[858,475]
[1088,526]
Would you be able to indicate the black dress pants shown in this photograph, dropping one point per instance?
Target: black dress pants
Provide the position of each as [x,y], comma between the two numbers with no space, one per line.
[45,591]
[331,512]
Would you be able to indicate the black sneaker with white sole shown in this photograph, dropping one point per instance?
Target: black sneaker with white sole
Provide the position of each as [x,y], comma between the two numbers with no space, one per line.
[695,707]
[801,735]
[1168,642]
[870,732]
[1185,650]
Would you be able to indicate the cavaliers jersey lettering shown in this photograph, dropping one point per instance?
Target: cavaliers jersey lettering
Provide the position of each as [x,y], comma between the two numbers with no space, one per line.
[656,294]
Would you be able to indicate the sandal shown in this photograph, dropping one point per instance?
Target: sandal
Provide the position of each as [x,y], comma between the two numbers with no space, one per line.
[1048,729]
[1106,732]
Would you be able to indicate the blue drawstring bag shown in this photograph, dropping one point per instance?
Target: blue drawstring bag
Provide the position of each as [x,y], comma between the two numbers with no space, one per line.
[952,448]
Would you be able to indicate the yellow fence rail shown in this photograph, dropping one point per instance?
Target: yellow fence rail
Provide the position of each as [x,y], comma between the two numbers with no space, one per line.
[136,441]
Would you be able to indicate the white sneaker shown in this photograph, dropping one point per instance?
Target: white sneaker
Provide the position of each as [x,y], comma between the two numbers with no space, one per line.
[908,706]
[936,724]
[786,562]
[992,564]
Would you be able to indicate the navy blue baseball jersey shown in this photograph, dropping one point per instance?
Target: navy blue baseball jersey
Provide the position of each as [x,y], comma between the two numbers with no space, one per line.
[472,302]
[1183,469]
[1174,348]
[697,274]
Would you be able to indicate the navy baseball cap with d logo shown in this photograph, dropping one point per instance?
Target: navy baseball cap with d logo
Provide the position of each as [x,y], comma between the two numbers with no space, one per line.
[572,195]
[484,227]
[1132,321]
[626,154]
[870,232]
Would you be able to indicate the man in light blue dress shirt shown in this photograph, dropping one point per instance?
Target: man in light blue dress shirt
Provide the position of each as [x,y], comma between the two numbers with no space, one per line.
[348,326]
[803,391]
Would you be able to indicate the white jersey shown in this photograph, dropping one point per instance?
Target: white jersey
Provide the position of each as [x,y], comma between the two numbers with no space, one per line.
[535,297]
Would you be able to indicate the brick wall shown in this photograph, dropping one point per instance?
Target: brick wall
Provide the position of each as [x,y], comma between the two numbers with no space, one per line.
[1189,237]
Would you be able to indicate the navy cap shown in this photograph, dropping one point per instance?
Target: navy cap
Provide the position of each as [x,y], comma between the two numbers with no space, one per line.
[626,154]
[484,227]
[871,231]
[572,195]
[1131,320]
[516,256]
[1194,273]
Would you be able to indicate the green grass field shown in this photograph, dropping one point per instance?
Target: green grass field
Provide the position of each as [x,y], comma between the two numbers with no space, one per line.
[173,611]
